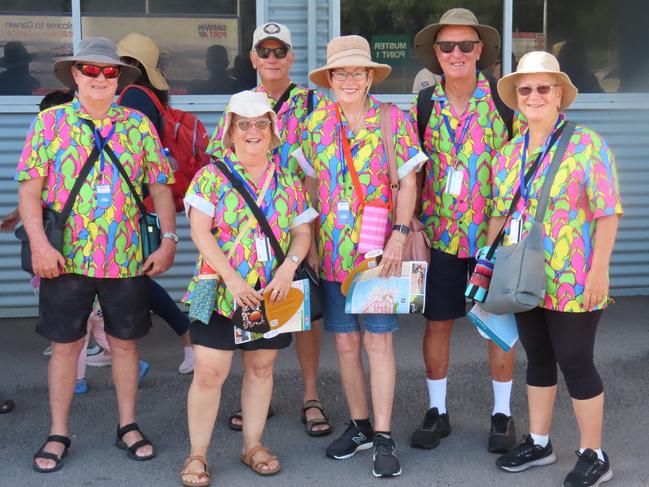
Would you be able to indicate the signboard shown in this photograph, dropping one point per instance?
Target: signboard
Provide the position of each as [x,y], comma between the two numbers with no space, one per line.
[391,49]
[524,42]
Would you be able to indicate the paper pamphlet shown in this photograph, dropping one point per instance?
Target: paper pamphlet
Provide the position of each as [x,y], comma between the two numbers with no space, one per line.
[499,328]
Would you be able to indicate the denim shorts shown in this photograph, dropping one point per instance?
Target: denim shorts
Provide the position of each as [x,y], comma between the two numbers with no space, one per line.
[337,321]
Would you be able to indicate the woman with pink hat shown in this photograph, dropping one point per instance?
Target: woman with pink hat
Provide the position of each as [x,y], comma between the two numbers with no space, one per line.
[346,162]
[580,224]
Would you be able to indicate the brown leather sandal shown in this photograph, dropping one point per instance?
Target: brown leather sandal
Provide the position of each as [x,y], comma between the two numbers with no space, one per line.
[311,423]
[202,478]
[248,459]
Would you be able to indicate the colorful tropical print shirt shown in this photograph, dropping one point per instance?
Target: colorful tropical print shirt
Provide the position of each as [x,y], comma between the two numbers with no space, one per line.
[584,189]
[98,241]
[285,207]
[323,151]
[290,124]
[458,224]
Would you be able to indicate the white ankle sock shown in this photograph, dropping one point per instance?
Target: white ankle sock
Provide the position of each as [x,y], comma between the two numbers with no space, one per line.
[502,395]
[600,455]
[437,394]
[541,440]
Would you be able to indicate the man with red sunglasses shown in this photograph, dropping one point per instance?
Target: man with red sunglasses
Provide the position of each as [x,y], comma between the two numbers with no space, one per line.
[101,255]
[460,128]
[272,57]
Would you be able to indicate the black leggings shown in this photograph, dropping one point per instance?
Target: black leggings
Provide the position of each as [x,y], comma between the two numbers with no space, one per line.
[551,337]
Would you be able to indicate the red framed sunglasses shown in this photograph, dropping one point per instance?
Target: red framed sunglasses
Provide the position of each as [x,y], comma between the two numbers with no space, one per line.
[93,71]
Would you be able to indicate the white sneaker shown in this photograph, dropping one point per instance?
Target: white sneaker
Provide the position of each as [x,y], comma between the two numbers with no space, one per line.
[187,365]
[102,359]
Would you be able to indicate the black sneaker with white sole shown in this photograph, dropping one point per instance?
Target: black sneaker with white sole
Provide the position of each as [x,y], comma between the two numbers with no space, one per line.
[386,462]
[526,455]
[502,436]
[353,440]
[589,471]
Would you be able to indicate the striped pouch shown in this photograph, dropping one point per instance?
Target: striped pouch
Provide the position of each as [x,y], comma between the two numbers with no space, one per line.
[375,225]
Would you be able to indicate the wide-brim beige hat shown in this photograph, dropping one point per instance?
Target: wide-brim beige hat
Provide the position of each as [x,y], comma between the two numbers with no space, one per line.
[146,52]
[249,104]
[95,50]
[536,62]
[349,52]
[426,37]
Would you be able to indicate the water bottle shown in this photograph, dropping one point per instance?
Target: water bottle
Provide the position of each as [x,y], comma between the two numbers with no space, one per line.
[171,159]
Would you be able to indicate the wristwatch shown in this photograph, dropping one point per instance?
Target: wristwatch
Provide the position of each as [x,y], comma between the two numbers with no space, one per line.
[294,258]
[170,235]
[404,229]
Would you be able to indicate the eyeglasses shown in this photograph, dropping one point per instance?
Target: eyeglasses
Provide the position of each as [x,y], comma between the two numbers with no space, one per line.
[93,71]
[447,47]
[541,89]
[259,124]
[264,52]
[343,75]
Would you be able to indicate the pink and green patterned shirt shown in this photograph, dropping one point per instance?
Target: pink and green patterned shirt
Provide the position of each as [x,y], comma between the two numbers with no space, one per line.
[458,224]
[285,203]
[322,151]
[584,189]
[290,123]
[98,242]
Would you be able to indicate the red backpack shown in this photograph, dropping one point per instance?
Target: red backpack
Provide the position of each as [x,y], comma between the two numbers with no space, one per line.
[184,139]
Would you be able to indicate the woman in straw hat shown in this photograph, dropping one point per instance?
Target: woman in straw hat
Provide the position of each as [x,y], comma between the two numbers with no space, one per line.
[140,51]
[580,226]
[347,168]
[218,214]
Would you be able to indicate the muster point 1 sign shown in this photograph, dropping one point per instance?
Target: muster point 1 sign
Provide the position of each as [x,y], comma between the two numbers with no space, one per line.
[391,49]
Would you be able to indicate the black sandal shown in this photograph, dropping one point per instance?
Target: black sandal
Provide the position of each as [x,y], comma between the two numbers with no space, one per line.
[131,451]
[52,456]
[309,424]
[237,415]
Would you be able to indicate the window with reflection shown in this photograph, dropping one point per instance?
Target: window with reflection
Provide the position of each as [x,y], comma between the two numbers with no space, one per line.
[390,27]
[600,44]
[32,34]
[204,46]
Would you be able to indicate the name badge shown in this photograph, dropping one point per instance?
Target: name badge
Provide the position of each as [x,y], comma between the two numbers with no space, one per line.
[262,245]
[343,213]
[454,179]
[515,229]
[104,195]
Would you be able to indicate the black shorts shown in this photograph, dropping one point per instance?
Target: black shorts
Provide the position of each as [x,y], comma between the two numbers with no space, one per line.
[446,282]
[65,303]
[219,335]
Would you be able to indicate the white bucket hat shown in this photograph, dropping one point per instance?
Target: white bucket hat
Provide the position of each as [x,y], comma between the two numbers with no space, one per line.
[146,52]
[536,62]
[249,104]
[348,52]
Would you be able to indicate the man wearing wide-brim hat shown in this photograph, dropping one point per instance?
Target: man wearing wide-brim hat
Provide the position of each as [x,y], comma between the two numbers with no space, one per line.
[101,255]
[16,80]
[460,129]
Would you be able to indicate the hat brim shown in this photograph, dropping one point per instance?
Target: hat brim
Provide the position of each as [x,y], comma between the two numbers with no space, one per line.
[155,76]
[425,39]
[245,112]
[507,88]
[320,78]
[127,75]
[271,38]
[23,61]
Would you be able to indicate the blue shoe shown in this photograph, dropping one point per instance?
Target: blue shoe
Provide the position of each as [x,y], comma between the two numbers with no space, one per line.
[81,387]
[144,368]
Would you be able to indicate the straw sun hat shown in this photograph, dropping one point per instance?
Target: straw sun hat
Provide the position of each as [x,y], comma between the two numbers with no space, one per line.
[426,37]
[144,50]
[249,104]
[536,62]
[348,52]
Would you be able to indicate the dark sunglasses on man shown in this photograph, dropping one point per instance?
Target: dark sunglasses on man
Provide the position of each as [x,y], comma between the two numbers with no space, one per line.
[93,71]
[447,47]
[264,52]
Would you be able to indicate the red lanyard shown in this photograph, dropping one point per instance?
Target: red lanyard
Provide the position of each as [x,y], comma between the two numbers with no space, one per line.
[349,160]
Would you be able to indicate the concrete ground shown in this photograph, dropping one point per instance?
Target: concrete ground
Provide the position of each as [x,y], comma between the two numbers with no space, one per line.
[462,459]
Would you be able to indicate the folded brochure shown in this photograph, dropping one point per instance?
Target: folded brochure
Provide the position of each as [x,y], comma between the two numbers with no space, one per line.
[499,328]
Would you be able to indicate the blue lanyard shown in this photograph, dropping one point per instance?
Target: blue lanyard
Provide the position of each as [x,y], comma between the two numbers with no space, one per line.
[267,205]
[526,188]
[100,147]
[457,144]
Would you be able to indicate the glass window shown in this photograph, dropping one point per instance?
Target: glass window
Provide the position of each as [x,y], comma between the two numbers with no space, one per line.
[32,34]
[600,44]
[390,27]
[204,46]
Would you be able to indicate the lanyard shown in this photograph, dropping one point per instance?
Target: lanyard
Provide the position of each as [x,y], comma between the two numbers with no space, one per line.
[101,145]
[549,142]
[457,144]
[267,206]
[349,160]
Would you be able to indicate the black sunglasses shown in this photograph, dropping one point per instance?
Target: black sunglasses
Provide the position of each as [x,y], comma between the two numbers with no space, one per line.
[264,52]
[447,47]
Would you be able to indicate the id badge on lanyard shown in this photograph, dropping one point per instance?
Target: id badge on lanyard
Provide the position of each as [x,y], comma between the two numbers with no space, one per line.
[343,213]
[454,180]
[262,246]
[104,195]
[515,230]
